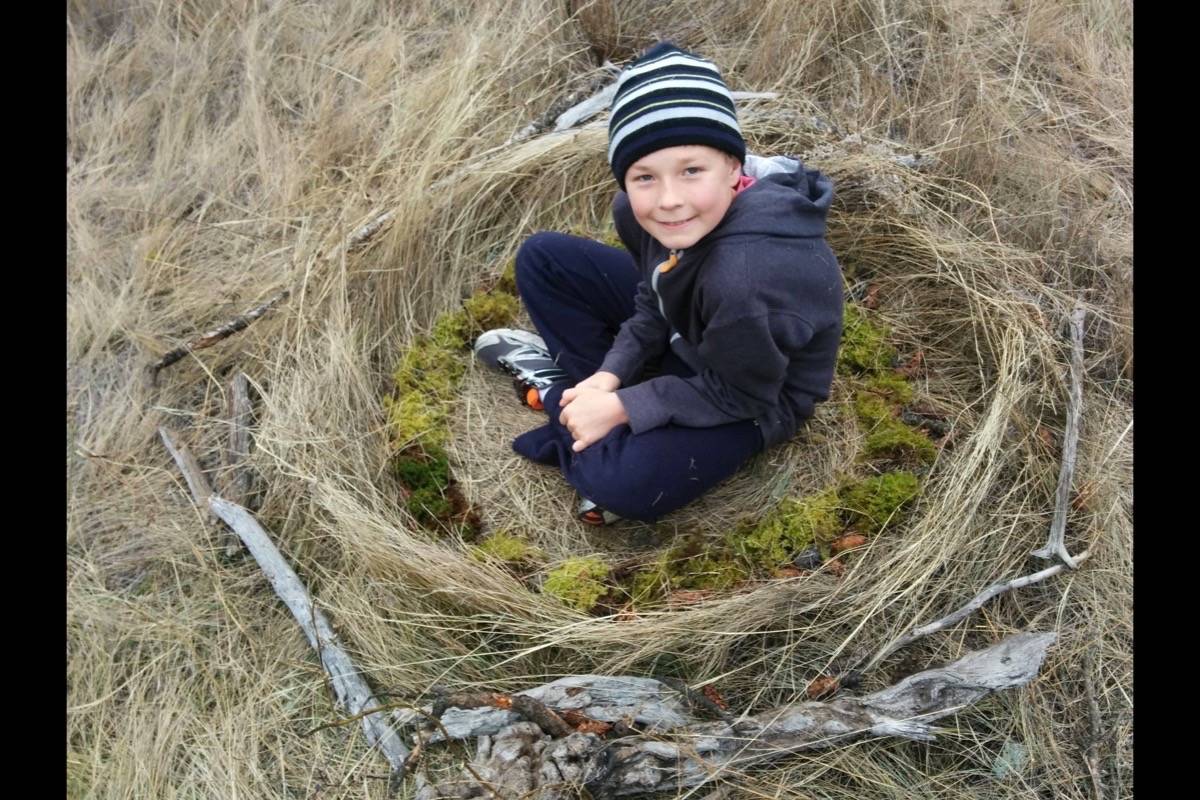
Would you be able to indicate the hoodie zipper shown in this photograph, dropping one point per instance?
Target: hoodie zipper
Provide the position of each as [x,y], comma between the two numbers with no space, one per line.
[668,265]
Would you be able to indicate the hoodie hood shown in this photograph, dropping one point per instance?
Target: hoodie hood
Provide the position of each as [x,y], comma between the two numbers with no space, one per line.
[786,200]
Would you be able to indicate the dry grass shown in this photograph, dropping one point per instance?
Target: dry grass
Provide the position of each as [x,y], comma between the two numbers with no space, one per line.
[218,151]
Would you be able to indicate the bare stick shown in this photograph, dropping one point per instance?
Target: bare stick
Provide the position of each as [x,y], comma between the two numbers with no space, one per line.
[971,607]
[1091,755]
[239,485]
[1055,545]
[368,231]
[351,689]
[196,481]
[240,414]
[217,334]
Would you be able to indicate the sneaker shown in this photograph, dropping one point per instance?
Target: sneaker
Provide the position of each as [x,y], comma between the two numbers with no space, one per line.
[524,356]
[591,514]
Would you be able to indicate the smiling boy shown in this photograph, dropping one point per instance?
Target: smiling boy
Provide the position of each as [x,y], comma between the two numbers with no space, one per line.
[732,297]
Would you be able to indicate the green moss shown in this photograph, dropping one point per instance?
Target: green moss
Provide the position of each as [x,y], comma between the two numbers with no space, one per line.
[430,369]
[426,475]
[872,410]
[416,420]
[887,435]
[790,528]
[490,310]
[505,547]
[690,564]
[890,385]
[873,503]
[896,440]
[864,346]
[578,582]
[508,278]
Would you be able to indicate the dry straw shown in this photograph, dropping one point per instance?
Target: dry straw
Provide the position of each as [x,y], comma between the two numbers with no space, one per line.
[220,151]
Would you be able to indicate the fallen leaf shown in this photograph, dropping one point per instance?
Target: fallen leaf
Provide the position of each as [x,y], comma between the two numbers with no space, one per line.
[1046,436]
[788,572]
[836,568]
[871,300]
[712,695]
[822,686]
[848,541]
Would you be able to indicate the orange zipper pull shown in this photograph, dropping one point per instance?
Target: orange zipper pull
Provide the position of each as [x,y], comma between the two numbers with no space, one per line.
[669,264]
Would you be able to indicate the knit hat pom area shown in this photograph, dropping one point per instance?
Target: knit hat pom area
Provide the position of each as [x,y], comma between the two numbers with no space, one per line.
[666,98]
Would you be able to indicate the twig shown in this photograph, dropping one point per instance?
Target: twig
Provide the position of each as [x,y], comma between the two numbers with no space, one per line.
[368,231]
[1055,545]
[350,687]
[192,473]
[971,607]
[217,334]
[240,413]
[1090,756]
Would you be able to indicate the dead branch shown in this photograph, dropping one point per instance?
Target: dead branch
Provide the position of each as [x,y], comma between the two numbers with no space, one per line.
[1091,756]
[240,416]
[519,760]
[1055,545]
[351,689]
[973,605]
[217,334]
[197,483]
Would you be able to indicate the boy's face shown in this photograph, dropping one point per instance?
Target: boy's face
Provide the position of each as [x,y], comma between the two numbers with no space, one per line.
[679,194]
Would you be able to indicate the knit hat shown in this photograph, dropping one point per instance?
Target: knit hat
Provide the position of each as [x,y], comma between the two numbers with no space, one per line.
[670,97]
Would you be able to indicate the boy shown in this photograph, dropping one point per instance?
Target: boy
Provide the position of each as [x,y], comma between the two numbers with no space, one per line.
[732,295]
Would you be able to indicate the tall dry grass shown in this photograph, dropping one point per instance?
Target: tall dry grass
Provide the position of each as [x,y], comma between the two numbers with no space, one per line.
[220,151]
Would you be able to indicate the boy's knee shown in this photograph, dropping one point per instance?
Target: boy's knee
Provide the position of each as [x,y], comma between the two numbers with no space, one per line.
[628,493]
[533,256]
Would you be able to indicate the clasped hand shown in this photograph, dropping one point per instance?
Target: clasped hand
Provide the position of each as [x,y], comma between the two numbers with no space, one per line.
[591,409]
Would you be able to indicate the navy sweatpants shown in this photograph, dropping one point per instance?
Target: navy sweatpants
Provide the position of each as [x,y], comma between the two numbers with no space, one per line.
[578,292]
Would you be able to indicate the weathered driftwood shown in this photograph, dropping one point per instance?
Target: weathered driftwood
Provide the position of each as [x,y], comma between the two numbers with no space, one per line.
[217,334]
[520,760]
[351,689]
[973,605]
[1056,545]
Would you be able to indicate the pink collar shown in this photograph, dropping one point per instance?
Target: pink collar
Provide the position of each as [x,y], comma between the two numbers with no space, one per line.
[744,183]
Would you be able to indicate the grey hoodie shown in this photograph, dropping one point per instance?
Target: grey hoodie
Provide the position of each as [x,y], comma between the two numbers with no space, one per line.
[754,308]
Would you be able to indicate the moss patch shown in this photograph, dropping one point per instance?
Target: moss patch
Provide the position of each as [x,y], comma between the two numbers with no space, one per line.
[793,526]
[427,377]
[426,476]
[898,441]
[874,503]
[578,582]
[504,546]
[689,564]
[864,346]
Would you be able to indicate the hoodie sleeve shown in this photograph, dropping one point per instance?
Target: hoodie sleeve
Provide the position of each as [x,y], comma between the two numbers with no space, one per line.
[747,360]
[645,334]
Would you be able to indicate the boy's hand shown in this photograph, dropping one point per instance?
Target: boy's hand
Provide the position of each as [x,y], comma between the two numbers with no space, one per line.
[592,415]
[603,381]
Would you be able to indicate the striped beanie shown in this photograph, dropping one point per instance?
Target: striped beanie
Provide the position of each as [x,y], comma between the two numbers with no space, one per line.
[670,97]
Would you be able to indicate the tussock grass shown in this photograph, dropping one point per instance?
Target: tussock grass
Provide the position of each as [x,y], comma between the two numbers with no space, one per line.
[220,151]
